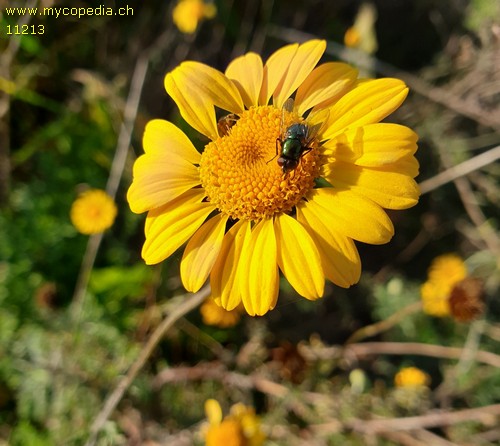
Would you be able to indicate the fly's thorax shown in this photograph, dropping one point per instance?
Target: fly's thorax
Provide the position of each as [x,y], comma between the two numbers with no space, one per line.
[292,148]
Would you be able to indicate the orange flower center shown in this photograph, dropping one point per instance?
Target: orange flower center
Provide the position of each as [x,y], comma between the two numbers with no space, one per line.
[240,171]
[227,433]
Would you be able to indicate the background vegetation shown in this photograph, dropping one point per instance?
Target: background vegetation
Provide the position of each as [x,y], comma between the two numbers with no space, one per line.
[313,371]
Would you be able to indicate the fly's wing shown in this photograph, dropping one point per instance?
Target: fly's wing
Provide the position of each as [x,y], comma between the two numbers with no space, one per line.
[316,123]
[286,109]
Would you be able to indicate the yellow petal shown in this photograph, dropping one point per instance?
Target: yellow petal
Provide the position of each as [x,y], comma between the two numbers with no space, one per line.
[372,145]
[385,186]
[165,138]
[168,227]
[353,215]
[192,196]
[260,279]
[274,69]
[407,165]
[339,256]
[298,257]
[305,59]
[158,179]
[325,84]
[212,85]
[224,277]
[196,111]
[201,252]
[368,103]
[246,72]
[213,412]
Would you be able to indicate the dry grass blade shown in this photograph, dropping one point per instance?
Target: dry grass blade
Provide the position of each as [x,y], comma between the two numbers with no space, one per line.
[117,166]
[460,170]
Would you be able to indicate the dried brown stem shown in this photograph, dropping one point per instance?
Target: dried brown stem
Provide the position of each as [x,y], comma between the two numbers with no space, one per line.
[415,348]
[403,438]
[384,325]
[460,170]
[485,415]
[218,372]
[387,427]
[468,197]
[180,310]
[397,348]
[436,94]
[113,181]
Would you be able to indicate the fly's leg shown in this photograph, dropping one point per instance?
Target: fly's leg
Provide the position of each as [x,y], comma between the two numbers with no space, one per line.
[277,150]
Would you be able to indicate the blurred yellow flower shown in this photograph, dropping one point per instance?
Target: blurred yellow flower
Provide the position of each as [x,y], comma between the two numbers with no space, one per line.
[411,377]
[447,268]
[214,314]
[188,13]
[240,428]
[93,211]
[245,207]
[352,37]
[362,33]
[444,273]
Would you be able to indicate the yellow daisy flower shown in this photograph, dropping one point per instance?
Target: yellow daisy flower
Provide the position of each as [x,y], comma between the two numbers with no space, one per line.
[362,34]
[214,314]
[411,377]
[244,206]
[435,299]
[445,272]
[188,13]
[240,428]
[352,37]
[447,268]
[93,211]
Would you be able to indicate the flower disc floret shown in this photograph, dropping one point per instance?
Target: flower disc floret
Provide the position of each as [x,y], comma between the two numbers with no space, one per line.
[240,173]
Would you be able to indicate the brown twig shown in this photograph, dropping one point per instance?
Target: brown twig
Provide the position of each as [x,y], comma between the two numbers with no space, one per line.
[430,438]
[218,372]
[117,166]
[485,415]
[403,438]
[465,362]
[384,325]
[181,309]
[491,436]
[396,348]
[415,348]
[436,94]
[204,338]
[460,170]
[129,114]
[470,203]
[471,206]
[493,331]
